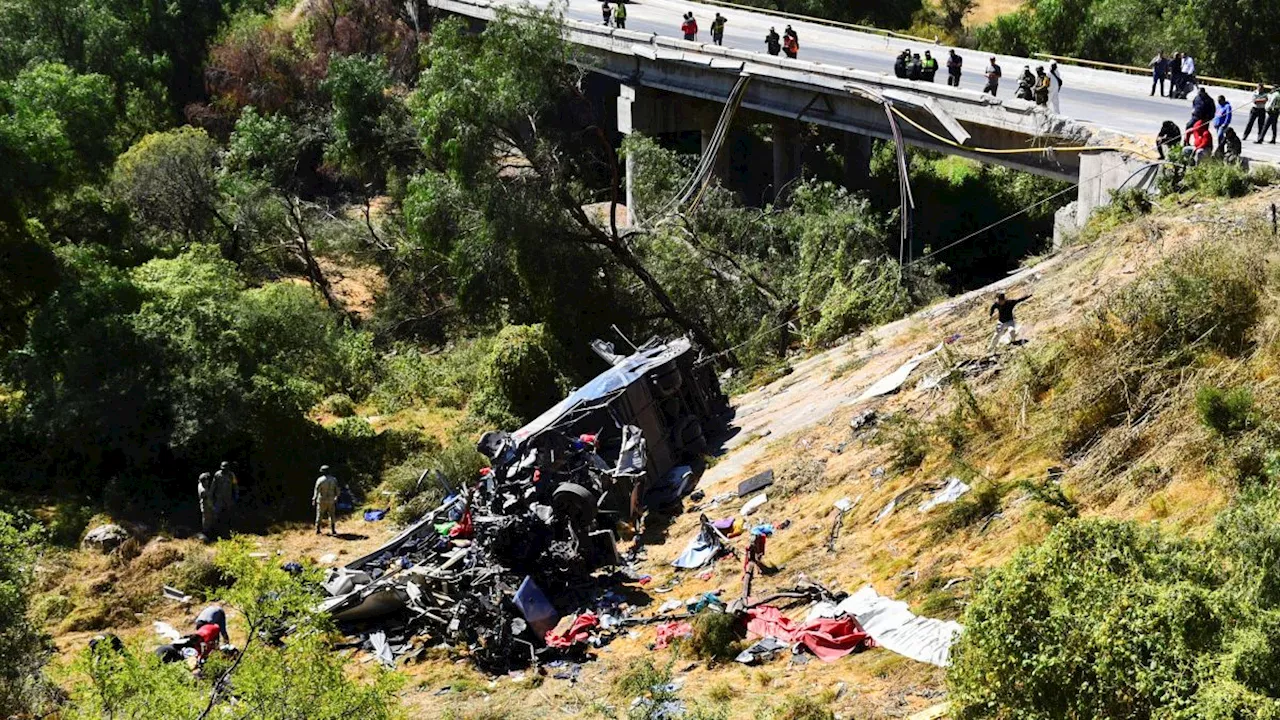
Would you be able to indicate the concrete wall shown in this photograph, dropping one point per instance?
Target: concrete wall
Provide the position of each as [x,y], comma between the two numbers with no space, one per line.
[1102,172]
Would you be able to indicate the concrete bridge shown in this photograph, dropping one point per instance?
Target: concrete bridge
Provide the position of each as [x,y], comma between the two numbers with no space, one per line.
[666,84]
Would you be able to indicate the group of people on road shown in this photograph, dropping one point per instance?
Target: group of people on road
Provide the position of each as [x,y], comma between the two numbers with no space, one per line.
[689,28]
[614,16]
[1042,88]
[910,66]
[788,42]
[1179,70]
[1210,126]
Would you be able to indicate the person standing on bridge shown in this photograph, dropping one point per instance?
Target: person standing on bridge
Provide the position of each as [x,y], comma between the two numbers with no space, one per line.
[1188,73]
[1273,113]
[773,42]
[1222,118]
[620,16]
[1257,112]
[717,29]
[606,11]
[900,64]
[1042,86]
[1175,75]
[954,64]
[790,43]
[993,78]
[1159,68]
[1055,87]
[1201,108]
[916,67]
[689,28]
[929,68]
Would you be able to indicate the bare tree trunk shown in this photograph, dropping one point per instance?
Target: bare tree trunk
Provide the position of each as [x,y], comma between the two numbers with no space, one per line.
[302,248]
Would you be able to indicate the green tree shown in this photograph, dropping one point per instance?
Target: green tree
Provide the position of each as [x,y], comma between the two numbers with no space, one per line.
[169,180]
[23,648]
[357,87]
[502,120]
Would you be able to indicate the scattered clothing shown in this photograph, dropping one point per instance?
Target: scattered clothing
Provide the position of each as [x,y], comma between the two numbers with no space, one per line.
[754,503]
[667,632]
[761,651]
[828,638]
[578,631]
[702,549]
[374,515]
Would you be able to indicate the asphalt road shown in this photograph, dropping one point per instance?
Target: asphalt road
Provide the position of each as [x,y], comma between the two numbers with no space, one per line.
[1109,100]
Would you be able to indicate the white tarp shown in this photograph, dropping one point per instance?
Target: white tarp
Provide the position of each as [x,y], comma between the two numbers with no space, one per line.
[891,382]
[894,627]
[954,489]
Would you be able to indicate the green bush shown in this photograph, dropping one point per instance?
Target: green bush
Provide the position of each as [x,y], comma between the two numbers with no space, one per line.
[1106,619]
[23,648]
[1129,351]
[1226,412]
[197,574]
[416,495]
[802,707]
[908,441]
[716,636]
[447,378]
[1264,174]
[339,405]
[520,377]
[1217,179]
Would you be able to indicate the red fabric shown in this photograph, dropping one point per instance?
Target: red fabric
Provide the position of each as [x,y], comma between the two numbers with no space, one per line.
[670,631]
[828,638]
[208,635]
[686,27]
[464,528]
[576,633]
[1198,136]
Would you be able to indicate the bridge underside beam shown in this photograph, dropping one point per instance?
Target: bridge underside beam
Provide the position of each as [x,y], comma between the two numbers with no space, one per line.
[841,110]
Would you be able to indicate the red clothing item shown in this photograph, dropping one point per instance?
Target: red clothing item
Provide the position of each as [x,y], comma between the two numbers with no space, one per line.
[671,631]
[1198,136]
[576,633]
[208,640]
[828,638]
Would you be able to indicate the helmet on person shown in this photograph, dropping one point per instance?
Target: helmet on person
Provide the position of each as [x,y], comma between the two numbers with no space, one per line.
[205,476]
[324,468]
[225,465]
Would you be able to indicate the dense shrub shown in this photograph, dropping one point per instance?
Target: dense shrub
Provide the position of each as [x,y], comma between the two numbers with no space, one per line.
[1217,179]
[23,649]
[1121,358]
[1226,412]
[716,636]
[1107,619]
[908,441]
[520,377]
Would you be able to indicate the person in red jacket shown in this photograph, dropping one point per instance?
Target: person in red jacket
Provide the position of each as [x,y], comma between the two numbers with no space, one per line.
[205,640]
[1198,143]
[689,27]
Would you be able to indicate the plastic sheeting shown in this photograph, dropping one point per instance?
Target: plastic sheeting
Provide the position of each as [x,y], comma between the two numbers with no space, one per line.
[953,490]
[891,382]
[701,550]
[893,626]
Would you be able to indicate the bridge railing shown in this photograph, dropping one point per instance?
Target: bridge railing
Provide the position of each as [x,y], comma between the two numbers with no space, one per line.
[1134,69]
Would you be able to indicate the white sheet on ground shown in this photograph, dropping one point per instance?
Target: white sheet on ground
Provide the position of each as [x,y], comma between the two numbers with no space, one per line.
[166,631]
[894,627]
[886,511]
[891,382]
[954,488]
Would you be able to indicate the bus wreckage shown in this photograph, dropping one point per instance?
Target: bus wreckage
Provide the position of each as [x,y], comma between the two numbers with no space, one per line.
[533,538]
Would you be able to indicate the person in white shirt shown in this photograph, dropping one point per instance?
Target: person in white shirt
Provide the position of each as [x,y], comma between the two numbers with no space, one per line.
[1055,87]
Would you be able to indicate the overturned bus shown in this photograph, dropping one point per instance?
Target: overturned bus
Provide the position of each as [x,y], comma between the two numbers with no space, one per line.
[507,553]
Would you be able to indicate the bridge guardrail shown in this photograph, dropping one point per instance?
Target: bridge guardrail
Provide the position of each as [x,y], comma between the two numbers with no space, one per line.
[1137,70]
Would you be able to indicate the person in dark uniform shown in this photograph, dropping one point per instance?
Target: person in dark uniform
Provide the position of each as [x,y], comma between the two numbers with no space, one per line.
[1004,306]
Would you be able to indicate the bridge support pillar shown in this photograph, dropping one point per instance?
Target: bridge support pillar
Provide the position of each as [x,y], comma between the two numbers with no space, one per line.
[1100,173]
[857,160]
[786,154]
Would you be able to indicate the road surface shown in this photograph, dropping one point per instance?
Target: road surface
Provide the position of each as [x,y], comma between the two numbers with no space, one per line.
[1106,99]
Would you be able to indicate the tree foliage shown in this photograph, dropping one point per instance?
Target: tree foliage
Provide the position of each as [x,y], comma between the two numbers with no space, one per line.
[271,678]
[23,648]
[1107,619]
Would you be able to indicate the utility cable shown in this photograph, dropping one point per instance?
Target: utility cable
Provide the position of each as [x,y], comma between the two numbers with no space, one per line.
[930,254]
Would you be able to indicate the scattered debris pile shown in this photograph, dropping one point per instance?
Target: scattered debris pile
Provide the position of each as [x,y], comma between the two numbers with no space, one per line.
[498,567]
